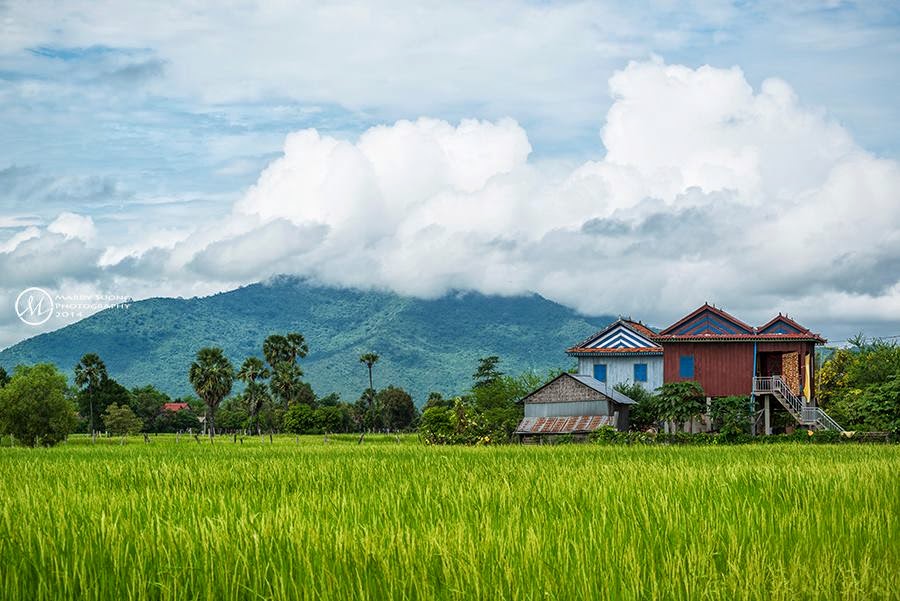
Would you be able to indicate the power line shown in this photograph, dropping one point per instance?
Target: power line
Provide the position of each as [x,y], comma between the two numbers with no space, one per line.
[874,338]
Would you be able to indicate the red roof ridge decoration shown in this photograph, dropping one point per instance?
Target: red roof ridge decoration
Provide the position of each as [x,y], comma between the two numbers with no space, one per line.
[640,327]
[713,309]
[612,351]
[786,320]
[175,406]
[788,330]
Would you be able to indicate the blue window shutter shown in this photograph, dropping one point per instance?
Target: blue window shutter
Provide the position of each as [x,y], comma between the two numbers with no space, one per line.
[686,366]
[640,372]
[600,372]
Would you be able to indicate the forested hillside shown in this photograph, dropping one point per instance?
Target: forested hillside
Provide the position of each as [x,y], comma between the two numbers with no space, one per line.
[424,345]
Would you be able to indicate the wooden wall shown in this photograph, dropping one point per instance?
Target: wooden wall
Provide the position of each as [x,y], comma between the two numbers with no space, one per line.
[726,368]
[722,368]
[621,369]
[564,390]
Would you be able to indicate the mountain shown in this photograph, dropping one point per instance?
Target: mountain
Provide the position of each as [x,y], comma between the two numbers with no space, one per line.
[424,345]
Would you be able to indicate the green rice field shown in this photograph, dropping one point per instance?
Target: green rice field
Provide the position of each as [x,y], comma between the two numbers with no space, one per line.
[300,519]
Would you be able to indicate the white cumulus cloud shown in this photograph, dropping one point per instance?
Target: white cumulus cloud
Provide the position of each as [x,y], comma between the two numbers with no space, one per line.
[709,190]
[72,225]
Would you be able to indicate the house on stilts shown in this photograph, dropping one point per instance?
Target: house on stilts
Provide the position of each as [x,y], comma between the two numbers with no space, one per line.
[773,364]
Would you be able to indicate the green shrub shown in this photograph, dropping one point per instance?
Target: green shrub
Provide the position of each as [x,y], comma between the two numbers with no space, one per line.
[176,421]
[121,420]
[35,407]
[607,435]
[301,419]
[731,415]
[436,425]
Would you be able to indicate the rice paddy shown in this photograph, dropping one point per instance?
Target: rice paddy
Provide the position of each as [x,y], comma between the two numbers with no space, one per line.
[308,520]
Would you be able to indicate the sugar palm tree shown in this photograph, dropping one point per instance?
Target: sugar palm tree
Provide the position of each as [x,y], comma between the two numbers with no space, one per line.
[276,350]
[211,375]
[370,359]
[286,381]
[253,370]
[89,373]
[284,349]
[296,346]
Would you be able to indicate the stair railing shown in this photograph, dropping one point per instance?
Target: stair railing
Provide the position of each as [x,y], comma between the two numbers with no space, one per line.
[808,415]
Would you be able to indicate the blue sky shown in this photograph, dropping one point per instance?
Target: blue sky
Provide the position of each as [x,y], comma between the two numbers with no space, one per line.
[155,121]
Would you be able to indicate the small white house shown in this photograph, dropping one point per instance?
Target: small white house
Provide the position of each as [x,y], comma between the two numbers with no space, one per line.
[624,352]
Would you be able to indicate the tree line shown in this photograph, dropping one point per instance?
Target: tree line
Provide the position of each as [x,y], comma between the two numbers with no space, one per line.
[858,386]
[39,407]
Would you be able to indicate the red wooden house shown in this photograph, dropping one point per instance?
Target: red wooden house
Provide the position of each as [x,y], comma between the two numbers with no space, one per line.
[729,357]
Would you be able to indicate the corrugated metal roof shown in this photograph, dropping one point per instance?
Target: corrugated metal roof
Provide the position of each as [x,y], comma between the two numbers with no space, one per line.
[602,388]
[564,425]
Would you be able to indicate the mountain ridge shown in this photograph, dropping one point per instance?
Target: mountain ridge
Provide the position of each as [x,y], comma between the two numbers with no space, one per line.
[425,344]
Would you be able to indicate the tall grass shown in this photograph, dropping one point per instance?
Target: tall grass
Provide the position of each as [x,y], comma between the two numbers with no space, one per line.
[382,520]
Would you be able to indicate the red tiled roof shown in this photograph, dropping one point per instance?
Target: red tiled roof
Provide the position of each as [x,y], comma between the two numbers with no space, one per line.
[175,406]
[635,326]
[614,351]
[707,307]
[641,328]
[787,320]
[754,334]
[740,337]
[564,425]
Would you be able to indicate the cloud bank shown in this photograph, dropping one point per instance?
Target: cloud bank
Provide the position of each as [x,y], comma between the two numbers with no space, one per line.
[709,190]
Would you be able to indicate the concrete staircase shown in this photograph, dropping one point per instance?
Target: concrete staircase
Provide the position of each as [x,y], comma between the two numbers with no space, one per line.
[804,413]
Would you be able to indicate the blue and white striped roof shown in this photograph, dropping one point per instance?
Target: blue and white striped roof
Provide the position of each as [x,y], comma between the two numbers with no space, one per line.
[621,336]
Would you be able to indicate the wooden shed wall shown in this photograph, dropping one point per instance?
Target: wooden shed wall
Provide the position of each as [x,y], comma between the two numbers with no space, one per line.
[564,390]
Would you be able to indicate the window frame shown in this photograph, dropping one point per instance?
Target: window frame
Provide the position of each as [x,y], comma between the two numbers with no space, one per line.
[685,362]
[644,368]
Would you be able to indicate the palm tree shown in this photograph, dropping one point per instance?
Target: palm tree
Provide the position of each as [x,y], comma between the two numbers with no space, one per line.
[370,359]
[89,373]
[211,376]
[281,353]
[252,370]
[276,349]
[285,381]
[296,346]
